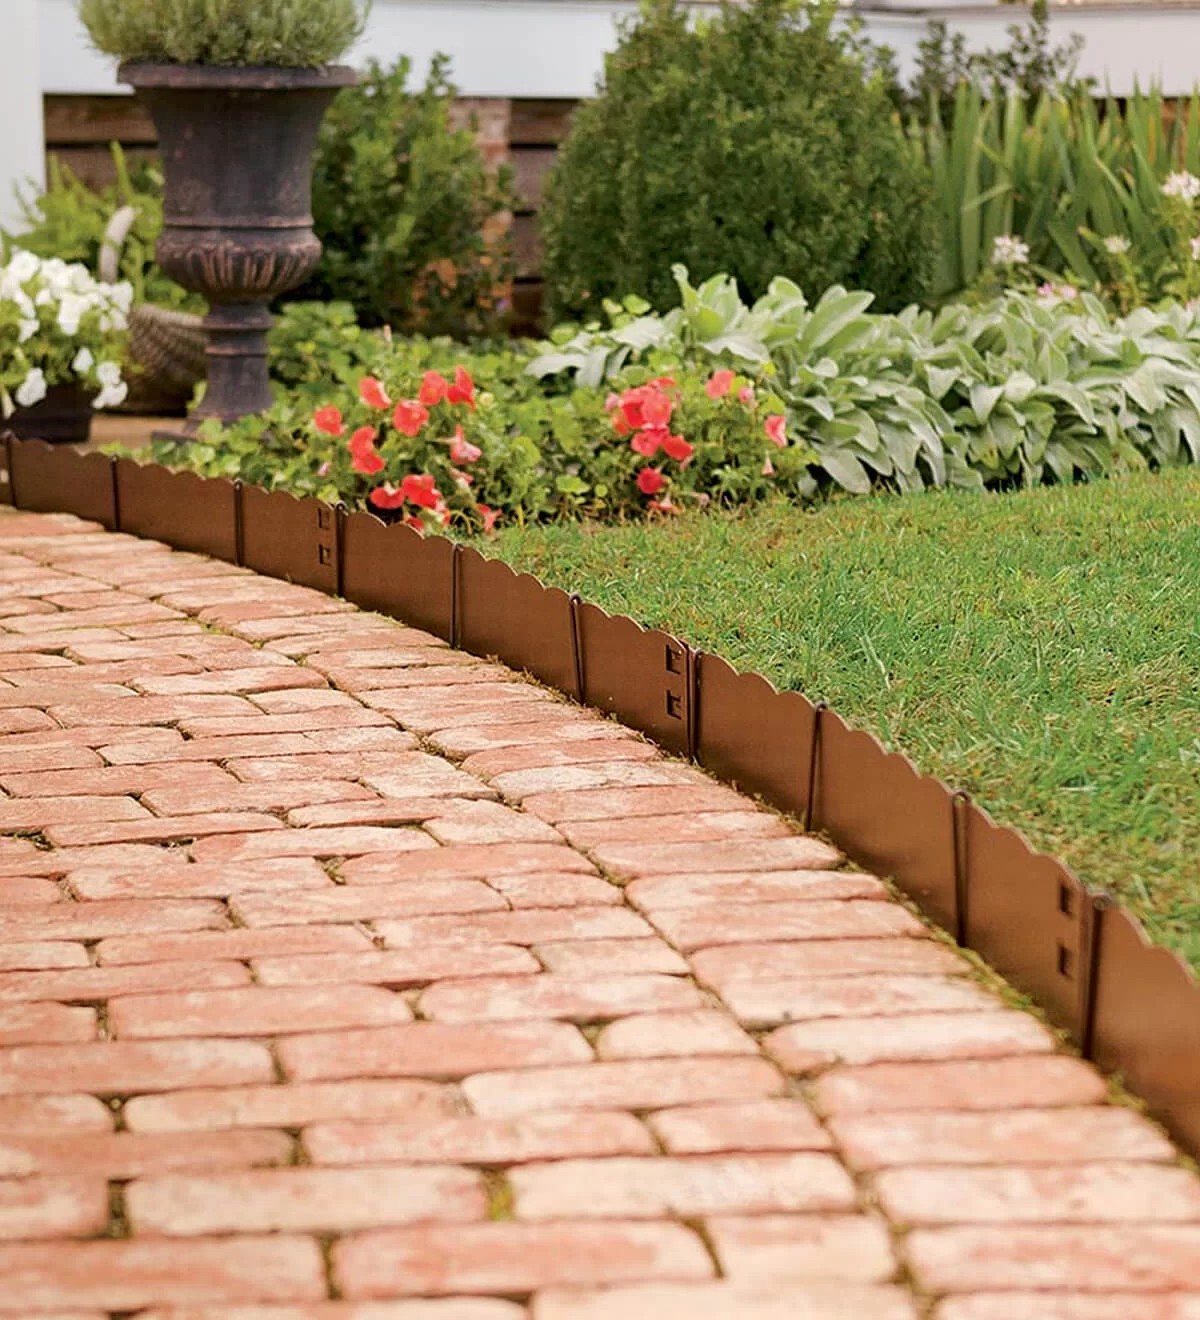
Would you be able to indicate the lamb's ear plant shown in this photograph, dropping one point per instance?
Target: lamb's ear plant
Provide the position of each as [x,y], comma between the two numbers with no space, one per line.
[284,33]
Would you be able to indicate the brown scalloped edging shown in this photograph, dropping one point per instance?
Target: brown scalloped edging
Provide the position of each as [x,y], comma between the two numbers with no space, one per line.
[1132,1007]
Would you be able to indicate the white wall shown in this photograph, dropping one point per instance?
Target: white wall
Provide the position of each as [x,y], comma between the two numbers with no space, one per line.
[21,156]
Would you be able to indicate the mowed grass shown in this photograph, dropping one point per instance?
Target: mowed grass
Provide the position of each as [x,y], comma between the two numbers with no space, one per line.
[1040,649]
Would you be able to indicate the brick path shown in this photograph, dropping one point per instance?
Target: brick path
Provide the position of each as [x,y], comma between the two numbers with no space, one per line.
[346,977]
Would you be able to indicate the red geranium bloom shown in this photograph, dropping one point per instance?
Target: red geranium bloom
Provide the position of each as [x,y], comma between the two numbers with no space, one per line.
[675,446]
[462,450]
[650,481]
[463,389]
[409,417]
[386,497]
[421,490]
[372,393]
[719,384]
[489,516]
[329,420]
[776,429]
[647,442]
[433,389]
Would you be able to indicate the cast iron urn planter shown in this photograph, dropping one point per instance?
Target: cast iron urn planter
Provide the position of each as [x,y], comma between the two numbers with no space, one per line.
[237,146]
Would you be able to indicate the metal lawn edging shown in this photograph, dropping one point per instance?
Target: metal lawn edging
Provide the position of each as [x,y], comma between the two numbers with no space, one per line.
[1130,1006]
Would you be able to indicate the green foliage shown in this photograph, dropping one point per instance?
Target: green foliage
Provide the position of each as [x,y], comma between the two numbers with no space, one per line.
[1038,649]
[760,143]
[411,218]
[68,220]
[287,33]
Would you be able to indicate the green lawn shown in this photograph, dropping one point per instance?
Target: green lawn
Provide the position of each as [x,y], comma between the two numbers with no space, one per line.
[1040,649]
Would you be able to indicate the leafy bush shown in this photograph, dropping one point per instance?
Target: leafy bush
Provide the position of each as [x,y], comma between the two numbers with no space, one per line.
[413,222]
[756,144]
[291,33]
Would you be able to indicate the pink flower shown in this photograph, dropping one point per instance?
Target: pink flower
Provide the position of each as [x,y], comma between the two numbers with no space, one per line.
[776,428]
[650,481]
[719,384]
[647,442]
[746,395]
[489,517]
[662,506]
[676,447]
[329,420]
[372,393]
[656,407]
[768,468]
[462,450]
[463,389]
[433,389]
[409,417]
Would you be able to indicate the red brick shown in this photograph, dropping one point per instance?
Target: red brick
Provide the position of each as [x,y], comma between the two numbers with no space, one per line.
[174,748]
[109,1155]
[123,672]
[376,769]
[588,957]
[37,813]
[982,1084]
[767,962]
[757,1125]
[17,891]
[526,926]
[232,795]
[25,760]
[430,1049]
[35,1114]
[302,1200]
[299,700]
[1016,1194]
[1071,1306]
[134,856]
[123,1276]
[574,726]
[91,921]
[257,678]
[24,721]
[703,826]
[640,1084]
[66,1207]
[45,1023]
[478,1141]
[488,822]
[578,999]
[798,1000]
[198,881]
[1031,1136]
[656,893]
[162,829]
[397,969]
[1089,1258]
[688,1187]
[733,923]
[116,779]
[348,841]
[556,890]
[363,902]
[745,1300]
[617,771]
[231,944]
[118,616]
[122,1067]
[503,760]
[478,860]
[255,1011]
[312,721]
[38,954]
[444,1308]
[514,1258]
[477,706]
[656,1035]
[795,852]
[147,710]
[799,1248]
[359,1103]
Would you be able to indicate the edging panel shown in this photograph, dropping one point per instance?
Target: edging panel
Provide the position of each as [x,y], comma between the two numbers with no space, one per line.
[62,479]
[396,571]
[189,512]
[290,538]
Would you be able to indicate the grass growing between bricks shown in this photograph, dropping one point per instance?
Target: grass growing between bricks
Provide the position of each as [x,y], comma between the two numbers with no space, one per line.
[1040,649]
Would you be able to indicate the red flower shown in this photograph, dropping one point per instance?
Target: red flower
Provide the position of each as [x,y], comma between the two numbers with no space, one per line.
[489,516]
[647,442]
[372,393]
[631,409]
[620,425]
[675,446]
[433,389]
[663,382]
[746,395]
[650,481]
[329,420]
[462,450]
[656,408]
[421,491]
[463,389]
[363,457]
[662,506]
[776,429]
[409,417]
[386,497]
[719,384]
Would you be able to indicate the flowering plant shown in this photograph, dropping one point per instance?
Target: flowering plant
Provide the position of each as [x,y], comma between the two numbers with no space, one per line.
[59,326]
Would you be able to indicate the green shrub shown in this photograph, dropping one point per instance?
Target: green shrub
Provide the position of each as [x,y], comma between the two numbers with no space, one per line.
[291,33]
[413,221]
[757,144]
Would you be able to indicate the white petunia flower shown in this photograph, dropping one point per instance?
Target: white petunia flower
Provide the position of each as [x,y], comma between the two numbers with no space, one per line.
[71,310]
[109,374]
[111,395]
[32,389]
[1008,250]
[26,329]
[83,362]
[1182,184]
[1116,244]
[23,266]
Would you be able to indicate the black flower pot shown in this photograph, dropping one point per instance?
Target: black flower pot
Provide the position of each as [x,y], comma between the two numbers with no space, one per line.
[63,417]
[237,146]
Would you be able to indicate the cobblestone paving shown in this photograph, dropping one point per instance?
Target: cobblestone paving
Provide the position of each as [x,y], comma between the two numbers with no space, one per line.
[346,977]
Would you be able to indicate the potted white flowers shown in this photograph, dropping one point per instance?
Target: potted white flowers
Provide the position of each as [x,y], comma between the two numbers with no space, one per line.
[60,341]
